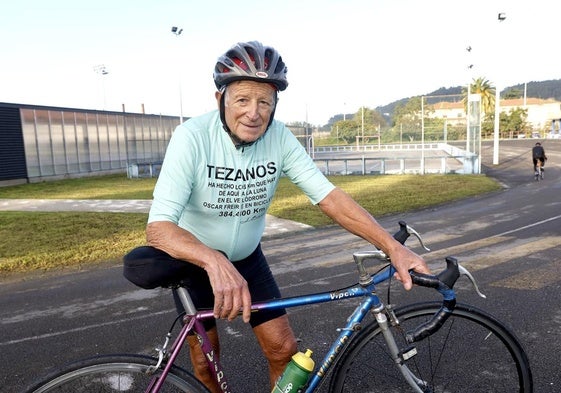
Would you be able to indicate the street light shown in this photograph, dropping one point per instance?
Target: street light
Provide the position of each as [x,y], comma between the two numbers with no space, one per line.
[177,32]
[501,17]
[470,78]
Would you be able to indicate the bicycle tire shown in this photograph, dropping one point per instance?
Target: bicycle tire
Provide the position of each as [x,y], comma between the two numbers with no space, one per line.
[473,352]
[115,373]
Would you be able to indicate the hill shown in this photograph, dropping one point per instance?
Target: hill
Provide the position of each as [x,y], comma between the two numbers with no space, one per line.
[542,89]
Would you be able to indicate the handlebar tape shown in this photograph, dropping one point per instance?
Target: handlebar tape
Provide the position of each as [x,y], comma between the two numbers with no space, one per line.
[443,283]
[428,328]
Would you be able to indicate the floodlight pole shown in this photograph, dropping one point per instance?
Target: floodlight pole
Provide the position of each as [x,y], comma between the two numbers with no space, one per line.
[501,17]
[422,135]
[177,32]
[496,125]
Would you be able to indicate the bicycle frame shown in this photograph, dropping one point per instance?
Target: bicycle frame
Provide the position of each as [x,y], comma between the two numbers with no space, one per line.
[351,347]
[371,302]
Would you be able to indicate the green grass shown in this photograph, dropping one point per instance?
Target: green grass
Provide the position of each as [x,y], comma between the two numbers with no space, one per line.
[382,195]
[104,187]
[35,241]
[46,241]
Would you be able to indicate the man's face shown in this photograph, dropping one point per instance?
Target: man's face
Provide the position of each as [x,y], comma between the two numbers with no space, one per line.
[248,107]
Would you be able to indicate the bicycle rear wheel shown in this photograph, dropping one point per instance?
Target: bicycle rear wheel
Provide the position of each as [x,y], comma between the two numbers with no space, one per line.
[472,352]
[115,373]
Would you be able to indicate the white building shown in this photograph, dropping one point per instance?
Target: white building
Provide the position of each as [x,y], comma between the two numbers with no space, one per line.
[542,114]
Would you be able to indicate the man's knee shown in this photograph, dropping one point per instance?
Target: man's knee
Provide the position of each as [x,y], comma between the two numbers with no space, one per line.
[277,339]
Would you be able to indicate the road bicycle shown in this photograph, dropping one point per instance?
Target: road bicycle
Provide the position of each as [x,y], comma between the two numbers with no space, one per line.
[538,174]
[442,346]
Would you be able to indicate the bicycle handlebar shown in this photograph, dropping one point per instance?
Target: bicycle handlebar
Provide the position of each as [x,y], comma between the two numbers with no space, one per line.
[442,282]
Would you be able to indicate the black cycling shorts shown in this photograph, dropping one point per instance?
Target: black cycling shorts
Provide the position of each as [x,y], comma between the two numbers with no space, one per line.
[149,268]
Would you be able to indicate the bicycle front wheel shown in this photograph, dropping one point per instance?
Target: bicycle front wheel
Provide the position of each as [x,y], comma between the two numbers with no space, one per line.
[472,352]
[116,373]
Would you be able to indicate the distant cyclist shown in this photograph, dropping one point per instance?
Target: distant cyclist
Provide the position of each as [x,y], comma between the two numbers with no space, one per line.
[538,155]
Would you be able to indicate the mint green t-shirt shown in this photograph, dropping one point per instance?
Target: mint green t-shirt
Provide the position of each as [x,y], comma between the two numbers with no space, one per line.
[221,193]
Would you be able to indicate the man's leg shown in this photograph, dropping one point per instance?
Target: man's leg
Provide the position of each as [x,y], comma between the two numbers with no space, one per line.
[278,344]
[199,362]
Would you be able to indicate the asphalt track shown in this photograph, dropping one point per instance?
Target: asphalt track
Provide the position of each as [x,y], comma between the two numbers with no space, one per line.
[510,240]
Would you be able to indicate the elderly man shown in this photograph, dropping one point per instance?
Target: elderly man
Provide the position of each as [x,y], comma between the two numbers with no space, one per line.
[218,178]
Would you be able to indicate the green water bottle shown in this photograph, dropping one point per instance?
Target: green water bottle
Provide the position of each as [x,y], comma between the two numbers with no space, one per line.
[295,374]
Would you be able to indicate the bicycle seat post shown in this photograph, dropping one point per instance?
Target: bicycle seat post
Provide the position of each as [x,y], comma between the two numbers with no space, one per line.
[186,300]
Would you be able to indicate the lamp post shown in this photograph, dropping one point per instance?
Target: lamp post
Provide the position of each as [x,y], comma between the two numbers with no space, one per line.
[362,128]
[101,70]
[501,17]
[470,77]
[177,32]
[422,135]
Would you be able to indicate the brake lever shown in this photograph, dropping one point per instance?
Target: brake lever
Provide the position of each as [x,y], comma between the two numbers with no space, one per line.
[416,234]
[465,272]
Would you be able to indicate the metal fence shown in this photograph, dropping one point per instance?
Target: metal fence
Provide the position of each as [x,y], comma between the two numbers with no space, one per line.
[413,158]
[62,142]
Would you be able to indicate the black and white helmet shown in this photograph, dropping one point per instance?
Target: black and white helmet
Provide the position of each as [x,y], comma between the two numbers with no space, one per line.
[250,61]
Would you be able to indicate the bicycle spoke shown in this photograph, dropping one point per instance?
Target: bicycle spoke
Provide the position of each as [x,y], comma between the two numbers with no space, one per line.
[465,355]
[115,374]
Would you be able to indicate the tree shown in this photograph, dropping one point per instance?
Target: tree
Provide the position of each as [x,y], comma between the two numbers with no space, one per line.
[484,88]
[512,93]
[510,124]
[369,119]
[408,115]
[516,121]
[407,119]
[372,118]
[348,130]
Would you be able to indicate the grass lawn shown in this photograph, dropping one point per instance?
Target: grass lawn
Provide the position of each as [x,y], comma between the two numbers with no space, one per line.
[35,241]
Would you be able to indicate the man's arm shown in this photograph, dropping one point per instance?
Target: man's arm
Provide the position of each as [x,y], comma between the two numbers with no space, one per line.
[230,289]
[340,207]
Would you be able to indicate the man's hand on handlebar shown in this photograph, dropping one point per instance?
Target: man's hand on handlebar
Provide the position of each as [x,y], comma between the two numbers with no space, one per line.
[403,260]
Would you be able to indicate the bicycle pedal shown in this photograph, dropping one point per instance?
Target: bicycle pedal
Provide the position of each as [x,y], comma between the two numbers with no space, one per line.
[407,353]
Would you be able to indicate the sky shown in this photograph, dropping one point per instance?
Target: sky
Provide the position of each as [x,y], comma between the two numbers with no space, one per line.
[341,54]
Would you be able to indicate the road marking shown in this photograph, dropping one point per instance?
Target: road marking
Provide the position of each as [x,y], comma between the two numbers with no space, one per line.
[530,225]
[547,274]
[497,250]
[508,247]
[87,327]
[459,249]
[85,306]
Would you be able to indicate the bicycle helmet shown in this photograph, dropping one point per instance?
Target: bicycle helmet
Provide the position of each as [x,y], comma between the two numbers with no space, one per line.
[250,61]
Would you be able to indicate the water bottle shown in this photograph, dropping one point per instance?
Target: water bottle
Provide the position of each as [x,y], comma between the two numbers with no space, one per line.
[295,374]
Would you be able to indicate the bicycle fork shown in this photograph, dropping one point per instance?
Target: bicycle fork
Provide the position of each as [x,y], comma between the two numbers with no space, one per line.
[399,357]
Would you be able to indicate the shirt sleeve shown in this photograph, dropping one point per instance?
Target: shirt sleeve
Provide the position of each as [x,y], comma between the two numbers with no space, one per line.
[303,171]
[175,181]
